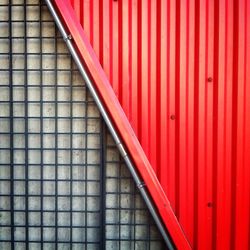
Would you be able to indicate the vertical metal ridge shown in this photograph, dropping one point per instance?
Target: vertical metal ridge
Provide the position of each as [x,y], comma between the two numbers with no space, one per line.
[130,108]
[196,113]
[248,103]
[134,65]
[171,106]
[91,17]
[217,39]
[100,35]
[234,120]
[247,135]
[120,52]
[177,107]
[165,181]
[124,55]
[139,53]
[150,67]
[162,91]
[144,102]
[242,206]
[157,154]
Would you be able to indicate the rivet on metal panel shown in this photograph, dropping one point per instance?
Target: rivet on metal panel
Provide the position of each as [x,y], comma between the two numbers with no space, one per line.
[172,117]
[210,79]
[68,37]
[209,204]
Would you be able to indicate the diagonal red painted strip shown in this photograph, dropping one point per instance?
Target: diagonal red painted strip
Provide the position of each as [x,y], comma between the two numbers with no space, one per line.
[121,122]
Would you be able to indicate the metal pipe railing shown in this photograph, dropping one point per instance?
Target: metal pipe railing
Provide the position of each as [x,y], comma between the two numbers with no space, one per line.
[140,184]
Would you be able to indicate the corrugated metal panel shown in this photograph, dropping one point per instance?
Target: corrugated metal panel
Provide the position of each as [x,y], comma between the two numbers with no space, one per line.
[181,72]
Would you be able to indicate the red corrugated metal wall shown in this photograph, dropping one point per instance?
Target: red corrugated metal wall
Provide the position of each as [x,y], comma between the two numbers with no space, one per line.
[181,70]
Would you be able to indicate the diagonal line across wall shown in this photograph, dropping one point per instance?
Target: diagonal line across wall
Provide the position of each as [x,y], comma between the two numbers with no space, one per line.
[117,122]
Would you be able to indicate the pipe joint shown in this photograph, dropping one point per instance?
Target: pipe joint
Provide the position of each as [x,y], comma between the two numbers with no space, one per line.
[141,185]
[121,149]
[67,38]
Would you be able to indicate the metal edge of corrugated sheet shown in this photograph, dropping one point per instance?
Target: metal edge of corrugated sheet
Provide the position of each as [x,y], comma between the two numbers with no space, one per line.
[121,123]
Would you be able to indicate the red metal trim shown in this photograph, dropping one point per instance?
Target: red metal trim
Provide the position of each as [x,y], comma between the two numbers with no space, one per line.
[121,122]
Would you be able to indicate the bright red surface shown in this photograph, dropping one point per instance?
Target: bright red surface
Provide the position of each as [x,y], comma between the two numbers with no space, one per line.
[181,72]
